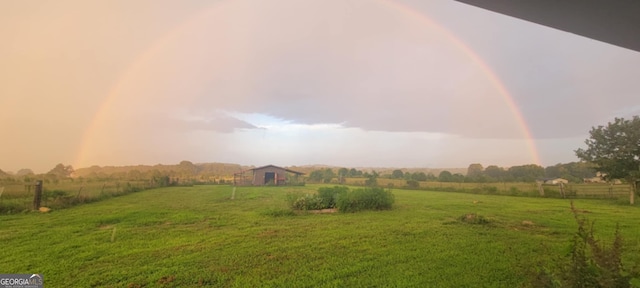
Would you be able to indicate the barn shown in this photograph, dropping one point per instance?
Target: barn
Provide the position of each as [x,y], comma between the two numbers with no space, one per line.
[266,175]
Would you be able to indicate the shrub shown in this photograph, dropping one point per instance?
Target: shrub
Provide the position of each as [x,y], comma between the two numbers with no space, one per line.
[413,184]
[308,202]
[329,195]
[370,198]
[491,189]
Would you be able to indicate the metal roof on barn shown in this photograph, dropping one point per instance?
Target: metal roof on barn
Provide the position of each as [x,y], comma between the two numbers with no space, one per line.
[274,166]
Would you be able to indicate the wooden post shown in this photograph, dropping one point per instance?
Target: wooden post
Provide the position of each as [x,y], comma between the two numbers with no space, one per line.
[632,192]
[540,189]
[37,196]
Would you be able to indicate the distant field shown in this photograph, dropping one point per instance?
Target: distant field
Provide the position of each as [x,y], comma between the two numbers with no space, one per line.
[198,236]
[591,190]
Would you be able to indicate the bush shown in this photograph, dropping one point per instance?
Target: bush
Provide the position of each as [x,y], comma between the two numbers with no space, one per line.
[329,195]
[308,202]
[490,189]
[413,184]
[370,198]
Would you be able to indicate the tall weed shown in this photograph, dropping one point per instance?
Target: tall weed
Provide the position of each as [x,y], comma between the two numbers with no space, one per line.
[590,262]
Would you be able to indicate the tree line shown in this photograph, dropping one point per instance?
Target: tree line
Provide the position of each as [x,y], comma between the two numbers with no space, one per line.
[574,172]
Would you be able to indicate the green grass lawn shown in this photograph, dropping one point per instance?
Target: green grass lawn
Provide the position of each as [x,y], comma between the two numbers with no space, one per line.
[190,236]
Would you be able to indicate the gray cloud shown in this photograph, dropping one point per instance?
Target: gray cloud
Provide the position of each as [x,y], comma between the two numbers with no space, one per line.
[218,123]
[395,72]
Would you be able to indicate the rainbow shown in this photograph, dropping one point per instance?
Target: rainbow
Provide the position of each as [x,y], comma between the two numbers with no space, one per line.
[137,65]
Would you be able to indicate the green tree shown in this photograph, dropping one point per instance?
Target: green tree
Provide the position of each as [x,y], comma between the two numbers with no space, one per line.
[187,168]
[343,172]
[328,175]
[445,176]
[475,172]
[526,173]
[457,178]
[419,176]
[372,179]
[615,151]
[355,173]
[494,173]
[316,176]
[24,172]
[397,174]
[574,171]
[61,171]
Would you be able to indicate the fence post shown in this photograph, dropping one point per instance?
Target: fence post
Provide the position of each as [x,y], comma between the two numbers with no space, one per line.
[540,189]
[37,196]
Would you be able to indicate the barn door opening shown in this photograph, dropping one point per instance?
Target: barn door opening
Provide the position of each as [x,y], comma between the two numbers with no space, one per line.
[269,178]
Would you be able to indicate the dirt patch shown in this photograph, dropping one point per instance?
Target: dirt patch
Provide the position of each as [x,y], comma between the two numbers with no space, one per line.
[582,211]
[268,233]
[323,211]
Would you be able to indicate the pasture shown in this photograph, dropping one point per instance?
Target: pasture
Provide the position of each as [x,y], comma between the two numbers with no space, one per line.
[529,189]
[198,236]
[17,196]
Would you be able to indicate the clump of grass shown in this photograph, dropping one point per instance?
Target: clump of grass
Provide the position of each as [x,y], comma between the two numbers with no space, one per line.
[278,212]
[370,198]
[325,198]
[330,195]
[345,200]
[473,218]
[308,202]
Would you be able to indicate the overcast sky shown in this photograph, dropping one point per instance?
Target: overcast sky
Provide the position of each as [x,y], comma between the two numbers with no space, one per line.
[287,82]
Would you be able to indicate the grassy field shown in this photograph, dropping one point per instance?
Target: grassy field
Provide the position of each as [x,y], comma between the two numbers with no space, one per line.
[198,236]
[17,196]
[583,190]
